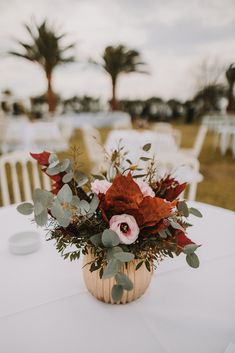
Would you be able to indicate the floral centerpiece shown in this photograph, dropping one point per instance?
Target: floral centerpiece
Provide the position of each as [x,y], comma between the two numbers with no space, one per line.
[124,221]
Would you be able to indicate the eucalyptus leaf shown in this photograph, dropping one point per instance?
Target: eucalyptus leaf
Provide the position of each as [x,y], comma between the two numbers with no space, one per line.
[67,177]
[96,239]
[81,178]
[53,171]
[63,216]
[25,208]
[65,194]
[117,292]
[195,212]
[75,201]
[53,164]
[111,269]
[43,196]
[52,158]
[176,225]
[57,210]
[94,203]
[38,208]
[110,238]
[190,248]
[124,281]
[42,218]
[193,260]
[182,207]
[124,256]
[84,207]
[112,251]
[146,147]
[64,165]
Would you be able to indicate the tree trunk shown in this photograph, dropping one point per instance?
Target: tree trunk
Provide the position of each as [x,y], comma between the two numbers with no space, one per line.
[230,97]
[114,100]
[51,99]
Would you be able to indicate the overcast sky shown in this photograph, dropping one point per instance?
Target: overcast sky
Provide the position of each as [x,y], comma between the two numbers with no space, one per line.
[173,36]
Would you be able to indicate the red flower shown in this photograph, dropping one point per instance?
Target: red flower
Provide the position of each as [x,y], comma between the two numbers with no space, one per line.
[125,197]
[181,238]
[169,188]
[43,160]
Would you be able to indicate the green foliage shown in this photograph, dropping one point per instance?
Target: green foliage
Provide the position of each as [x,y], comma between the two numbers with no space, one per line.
[25,208]
[120,59]
[146,147]
[45,47]
[111,269]
[65,194]
[110,238]
[195,212]
[117,292]
[193,260]
[124,256]
[124,281]
[190,248]
[183,208]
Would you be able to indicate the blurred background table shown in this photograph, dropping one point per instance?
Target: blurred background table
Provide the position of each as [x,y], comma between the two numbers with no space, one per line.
[24,135]
[44,304]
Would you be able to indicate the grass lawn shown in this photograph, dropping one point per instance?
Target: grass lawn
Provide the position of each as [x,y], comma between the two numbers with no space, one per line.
[218,186]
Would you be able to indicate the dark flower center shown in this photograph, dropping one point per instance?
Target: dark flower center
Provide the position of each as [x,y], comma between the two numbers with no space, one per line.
[124,227]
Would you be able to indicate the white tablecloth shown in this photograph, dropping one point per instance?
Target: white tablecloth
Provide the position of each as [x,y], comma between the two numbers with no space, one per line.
[33,136]
[96,120]
[44,306]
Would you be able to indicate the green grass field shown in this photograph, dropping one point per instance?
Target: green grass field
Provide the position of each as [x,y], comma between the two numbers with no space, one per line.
[218,186]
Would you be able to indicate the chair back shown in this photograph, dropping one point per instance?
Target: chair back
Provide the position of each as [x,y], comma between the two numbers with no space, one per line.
[199,140]
[19,176]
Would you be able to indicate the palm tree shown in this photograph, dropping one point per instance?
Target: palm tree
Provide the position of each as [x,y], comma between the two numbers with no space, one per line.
[230,75]
[45,48]
[117,60]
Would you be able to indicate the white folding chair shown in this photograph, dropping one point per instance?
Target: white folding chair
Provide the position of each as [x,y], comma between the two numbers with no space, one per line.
[66,129]
[95,151]
[20,181]
[195,151]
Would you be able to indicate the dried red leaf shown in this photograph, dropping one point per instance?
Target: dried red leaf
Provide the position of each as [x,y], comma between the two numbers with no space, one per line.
[154,209]
[181,238]
[42,158]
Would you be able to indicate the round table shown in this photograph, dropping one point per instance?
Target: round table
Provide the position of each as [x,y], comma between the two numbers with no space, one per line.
[45,307]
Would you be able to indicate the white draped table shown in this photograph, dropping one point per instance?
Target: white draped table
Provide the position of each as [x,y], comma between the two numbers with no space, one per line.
[45,307]
[31,136]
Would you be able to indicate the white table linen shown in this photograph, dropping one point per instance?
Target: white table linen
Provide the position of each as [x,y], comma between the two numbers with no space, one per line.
[33,136]
[96,120]
[44,305]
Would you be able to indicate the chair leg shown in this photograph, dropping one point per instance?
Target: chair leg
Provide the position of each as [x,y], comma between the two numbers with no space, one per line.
[192,191]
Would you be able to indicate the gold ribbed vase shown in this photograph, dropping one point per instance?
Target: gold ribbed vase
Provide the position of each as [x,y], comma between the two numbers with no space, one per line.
[101,288]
